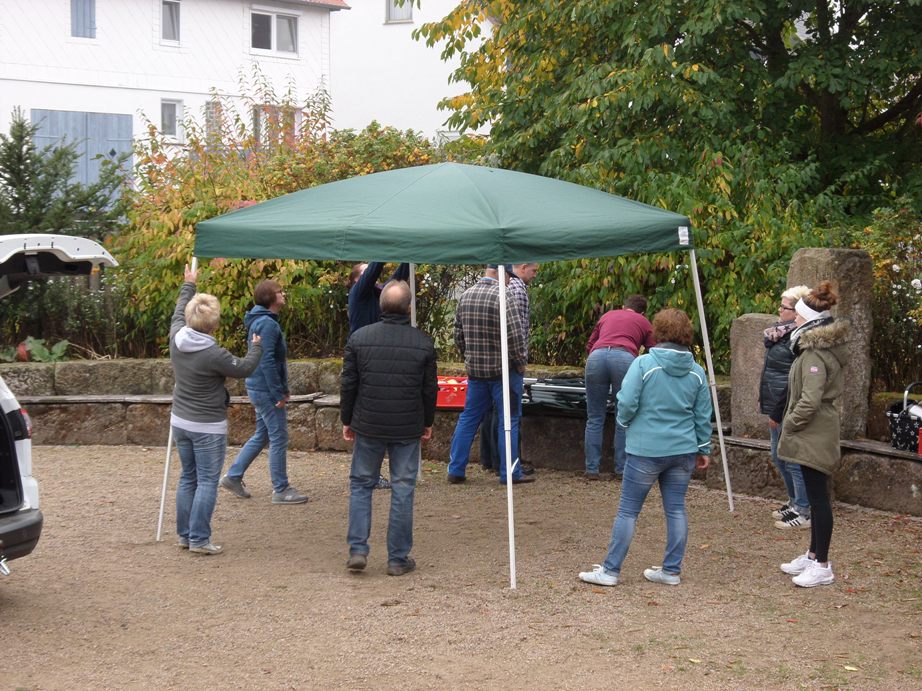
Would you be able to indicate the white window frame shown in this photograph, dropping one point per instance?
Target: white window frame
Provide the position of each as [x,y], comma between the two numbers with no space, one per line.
[177,134]
[163,39]
[275,13]
[390,10]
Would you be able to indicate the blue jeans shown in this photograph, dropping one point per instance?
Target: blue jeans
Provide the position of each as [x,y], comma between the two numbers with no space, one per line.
[480,393]
[271,428]
[640,474]
[793,477]
[367,455]
[605,369]
[202,457]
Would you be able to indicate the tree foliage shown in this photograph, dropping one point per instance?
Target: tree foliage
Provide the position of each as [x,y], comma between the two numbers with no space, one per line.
[771,125]
[39,195]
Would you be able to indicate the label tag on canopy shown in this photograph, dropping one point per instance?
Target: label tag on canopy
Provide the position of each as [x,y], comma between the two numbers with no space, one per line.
[683,235]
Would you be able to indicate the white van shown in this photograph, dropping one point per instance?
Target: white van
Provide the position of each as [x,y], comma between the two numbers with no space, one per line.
[24,258]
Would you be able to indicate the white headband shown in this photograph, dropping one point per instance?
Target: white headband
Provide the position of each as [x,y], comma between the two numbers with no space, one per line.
[807,312]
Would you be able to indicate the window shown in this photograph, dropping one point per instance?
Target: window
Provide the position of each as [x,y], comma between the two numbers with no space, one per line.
[399,13]
[83,18]
[274,124]
[270,31]
[170,115]
[214,119]
[169,24]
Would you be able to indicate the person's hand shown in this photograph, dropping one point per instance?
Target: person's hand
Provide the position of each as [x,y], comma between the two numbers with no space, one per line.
[348,434]
[772,424]
[287,397]
[256,339]
[702,461]
[427,434]
[190,275]
[281,404]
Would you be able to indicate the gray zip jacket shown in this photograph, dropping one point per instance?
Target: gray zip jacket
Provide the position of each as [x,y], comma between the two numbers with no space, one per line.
[200,367]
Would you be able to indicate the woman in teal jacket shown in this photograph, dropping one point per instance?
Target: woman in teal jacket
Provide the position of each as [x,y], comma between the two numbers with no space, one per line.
[665,407]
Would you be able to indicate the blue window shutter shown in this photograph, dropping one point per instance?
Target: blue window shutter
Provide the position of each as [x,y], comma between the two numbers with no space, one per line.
[83,18]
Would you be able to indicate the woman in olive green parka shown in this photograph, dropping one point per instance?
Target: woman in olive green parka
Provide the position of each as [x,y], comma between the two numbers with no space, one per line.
[810,431]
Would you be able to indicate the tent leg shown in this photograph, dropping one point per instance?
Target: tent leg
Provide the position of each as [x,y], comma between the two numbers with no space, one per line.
[166,477]
[419,471]
[507,422]
[711,378]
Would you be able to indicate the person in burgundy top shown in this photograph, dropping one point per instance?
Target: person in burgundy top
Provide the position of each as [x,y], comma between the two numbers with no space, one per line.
[613,345]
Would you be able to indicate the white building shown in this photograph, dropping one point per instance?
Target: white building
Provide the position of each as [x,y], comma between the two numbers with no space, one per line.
[92,70]
[379,72]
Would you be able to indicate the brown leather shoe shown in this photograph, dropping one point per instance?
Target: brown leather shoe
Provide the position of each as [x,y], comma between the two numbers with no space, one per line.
[356,562]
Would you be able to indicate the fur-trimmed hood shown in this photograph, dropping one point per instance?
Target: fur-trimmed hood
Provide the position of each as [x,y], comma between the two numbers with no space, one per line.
[833,337]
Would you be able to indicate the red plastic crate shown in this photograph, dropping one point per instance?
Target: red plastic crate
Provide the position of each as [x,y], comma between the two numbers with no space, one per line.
[452,393]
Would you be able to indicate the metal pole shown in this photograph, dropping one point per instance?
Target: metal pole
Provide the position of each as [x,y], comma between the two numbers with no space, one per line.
[711,379]
[419,466]
[166,477]
[507,422]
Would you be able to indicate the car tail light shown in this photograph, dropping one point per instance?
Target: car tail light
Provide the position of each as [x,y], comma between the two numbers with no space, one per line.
[20,423]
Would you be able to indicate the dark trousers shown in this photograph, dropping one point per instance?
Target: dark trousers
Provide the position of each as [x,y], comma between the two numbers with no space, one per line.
[489,448]
[817,485]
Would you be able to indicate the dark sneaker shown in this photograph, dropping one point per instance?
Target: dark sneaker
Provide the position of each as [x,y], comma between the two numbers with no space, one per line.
[779,511]
[288,496]
[236,486]
[523,480]
[357,562]
[382,483]
[527,468]
[591,476]
[456,479]
[183,543]
[207,548]
[401,569]
[792,519]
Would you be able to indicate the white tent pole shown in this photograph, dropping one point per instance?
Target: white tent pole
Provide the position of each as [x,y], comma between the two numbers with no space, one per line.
[169,452]
[166,477]
[711,378]
[507,426]
[419,465]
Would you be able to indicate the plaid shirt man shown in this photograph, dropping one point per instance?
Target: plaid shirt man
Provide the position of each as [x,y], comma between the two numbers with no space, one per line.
[477,332]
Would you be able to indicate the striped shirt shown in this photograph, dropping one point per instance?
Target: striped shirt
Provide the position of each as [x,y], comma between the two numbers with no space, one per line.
[477,332]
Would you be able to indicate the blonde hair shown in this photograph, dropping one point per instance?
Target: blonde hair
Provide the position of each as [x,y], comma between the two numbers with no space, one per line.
[795,293]
[203,313]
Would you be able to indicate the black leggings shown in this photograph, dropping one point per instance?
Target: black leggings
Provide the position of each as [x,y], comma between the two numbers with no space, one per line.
[817,485]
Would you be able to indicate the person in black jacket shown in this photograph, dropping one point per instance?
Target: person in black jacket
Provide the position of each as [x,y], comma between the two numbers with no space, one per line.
[387,403]
[773,396]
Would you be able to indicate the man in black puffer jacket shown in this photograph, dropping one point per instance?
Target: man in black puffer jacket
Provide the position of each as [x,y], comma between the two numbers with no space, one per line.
[387,403]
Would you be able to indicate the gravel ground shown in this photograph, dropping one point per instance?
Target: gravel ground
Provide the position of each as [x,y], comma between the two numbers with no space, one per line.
[101,604]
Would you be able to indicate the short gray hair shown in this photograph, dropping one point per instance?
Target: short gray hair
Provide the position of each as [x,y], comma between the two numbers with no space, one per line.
[203,312]
[395,298]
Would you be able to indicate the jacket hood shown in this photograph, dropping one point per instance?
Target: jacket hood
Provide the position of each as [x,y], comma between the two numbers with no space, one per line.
[832,337]
[256,313]
[191,341]
[676,363]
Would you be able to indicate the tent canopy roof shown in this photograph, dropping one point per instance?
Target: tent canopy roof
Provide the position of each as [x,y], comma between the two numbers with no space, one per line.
[448,213]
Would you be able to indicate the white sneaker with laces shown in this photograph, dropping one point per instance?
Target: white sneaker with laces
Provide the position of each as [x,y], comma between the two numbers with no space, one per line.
[797,566]
[657,575]
[599,576]
[814,575]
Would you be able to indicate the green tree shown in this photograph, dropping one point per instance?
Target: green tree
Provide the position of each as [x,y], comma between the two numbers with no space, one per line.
[37,191]
[772,125]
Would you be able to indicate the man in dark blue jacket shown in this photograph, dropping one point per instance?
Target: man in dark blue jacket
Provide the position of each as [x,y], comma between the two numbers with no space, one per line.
[267,388]
[387,403]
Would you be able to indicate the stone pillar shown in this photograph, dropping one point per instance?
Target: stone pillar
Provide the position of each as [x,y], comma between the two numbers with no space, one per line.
[851,273]
[747,355]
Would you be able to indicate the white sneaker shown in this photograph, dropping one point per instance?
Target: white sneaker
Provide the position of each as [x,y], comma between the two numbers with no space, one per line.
[815,575]
[797,566]
[599,576]
[792,519]
[657,575]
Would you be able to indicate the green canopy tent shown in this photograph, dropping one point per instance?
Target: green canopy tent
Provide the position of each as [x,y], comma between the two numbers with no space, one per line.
[451,213]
